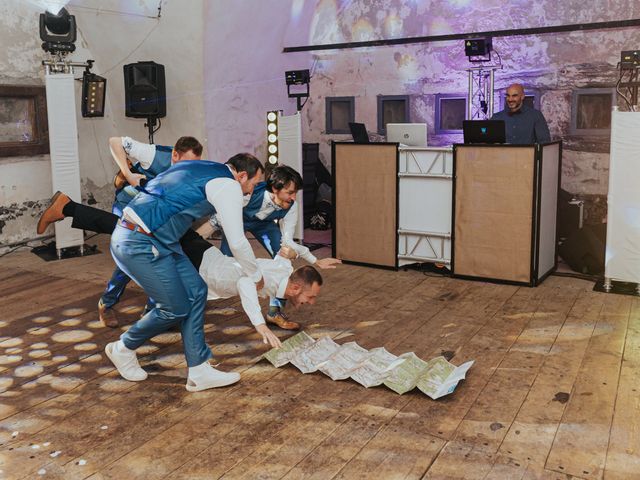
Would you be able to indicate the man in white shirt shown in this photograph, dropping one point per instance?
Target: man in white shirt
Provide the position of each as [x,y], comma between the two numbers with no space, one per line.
[274,201]
[225,279]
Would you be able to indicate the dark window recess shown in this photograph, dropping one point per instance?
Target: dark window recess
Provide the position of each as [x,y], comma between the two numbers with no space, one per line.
[392,109]
[451,110]
[591,111]
[23,121]
[340,111]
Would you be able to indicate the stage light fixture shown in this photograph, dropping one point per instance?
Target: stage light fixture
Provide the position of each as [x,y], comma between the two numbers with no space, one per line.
[478,49]
[297,77]
[272,137]
[630,59]
[58,32]
[94,88]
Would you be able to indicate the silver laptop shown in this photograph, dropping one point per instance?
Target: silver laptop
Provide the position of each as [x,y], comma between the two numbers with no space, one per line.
[410,134]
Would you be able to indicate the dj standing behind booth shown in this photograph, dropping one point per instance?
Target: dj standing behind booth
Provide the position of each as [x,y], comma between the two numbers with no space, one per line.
[523,124]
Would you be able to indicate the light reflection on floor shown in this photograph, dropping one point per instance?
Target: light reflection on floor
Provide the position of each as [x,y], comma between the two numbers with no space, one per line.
[70,322]
[39,353]
[62,354]
[70,336]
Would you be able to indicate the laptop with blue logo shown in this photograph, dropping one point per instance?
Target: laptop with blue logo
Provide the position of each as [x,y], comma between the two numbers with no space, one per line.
[483,131]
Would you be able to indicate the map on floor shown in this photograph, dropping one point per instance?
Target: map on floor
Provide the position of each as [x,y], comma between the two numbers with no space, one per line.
[435,378]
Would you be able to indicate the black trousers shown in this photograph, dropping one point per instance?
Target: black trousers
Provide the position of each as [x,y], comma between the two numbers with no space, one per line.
[101,221]
[93,219]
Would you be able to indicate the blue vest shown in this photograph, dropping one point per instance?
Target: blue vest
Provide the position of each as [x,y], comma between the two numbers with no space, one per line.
[161,162]
[172,201]
[252,208]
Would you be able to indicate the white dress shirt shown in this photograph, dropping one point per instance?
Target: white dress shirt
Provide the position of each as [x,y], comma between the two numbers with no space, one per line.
[225,279]
[287,225]
[226,196]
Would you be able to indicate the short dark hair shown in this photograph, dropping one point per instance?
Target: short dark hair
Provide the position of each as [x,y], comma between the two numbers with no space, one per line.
[281,176]
[245,162]
[306,275]
[184,144]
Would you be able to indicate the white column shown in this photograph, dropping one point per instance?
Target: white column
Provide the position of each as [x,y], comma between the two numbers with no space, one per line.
[290,154]
[63,142]
[622,260]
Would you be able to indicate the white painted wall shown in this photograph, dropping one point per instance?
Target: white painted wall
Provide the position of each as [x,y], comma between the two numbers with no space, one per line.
[113,33]
[244,72]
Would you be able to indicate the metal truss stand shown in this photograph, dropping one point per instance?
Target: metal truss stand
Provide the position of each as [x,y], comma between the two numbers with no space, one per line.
[480,94]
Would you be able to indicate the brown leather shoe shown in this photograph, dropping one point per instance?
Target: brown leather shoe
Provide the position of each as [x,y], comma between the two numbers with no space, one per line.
[280,319]
[53,213]
[119,181]
[107,315]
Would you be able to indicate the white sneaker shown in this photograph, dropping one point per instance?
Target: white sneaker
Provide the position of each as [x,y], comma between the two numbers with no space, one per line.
[204,376]
[126,362]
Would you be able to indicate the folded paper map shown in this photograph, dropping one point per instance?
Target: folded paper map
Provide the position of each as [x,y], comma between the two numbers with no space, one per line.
[281,356]
[435,378]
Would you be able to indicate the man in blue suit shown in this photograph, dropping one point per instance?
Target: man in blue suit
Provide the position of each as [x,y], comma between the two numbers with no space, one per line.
[146,246]
[137,162]
[148,161]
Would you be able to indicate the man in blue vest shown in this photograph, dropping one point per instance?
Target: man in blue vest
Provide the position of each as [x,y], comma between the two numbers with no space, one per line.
[274,201]
[148,161]
[136,162]
[146,245]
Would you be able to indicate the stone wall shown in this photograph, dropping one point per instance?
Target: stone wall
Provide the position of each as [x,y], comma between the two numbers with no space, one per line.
[552,64]
[113,33]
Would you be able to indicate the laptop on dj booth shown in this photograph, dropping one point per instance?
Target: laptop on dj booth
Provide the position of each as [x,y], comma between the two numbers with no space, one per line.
[483,131]
[359,132]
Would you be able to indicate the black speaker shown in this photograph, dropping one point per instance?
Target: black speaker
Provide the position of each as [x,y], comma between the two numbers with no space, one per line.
[144,90]
[584,249]
[570,212]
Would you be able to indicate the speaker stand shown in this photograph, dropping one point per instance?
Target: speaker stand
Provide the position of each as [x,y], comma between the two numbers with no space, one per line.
[151,125]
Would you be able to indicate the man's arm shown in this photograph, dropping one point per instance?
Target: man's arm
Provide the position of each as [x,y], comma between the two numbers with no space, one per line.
[124,149]
[225,195]
[251,306]
[541,129]
[288,228]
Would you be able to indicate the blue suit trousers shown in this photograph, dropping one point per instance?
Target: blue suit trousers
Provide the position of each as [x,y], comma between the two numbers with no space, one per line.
[173,282]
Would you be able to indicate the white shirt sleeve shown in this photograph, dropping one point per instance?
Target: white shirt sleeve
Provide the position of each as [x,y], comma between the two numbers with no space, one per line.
[249,299]
[288,228]
[225,195]
[142,153]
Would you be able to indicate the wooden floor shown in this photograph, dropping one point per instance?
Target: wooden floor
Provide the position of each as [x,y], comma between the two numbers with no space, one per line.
[553,393]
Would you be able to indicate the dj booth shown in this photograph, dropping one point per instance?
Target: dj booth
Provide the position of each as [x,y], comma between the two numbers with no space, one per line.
[486,211]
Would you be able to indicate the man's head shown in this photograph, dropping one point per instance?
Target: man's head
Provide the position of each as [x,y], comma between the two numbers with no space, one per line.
[284,182]
[515,97]
[304,286]
[247,170]
[186,148]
